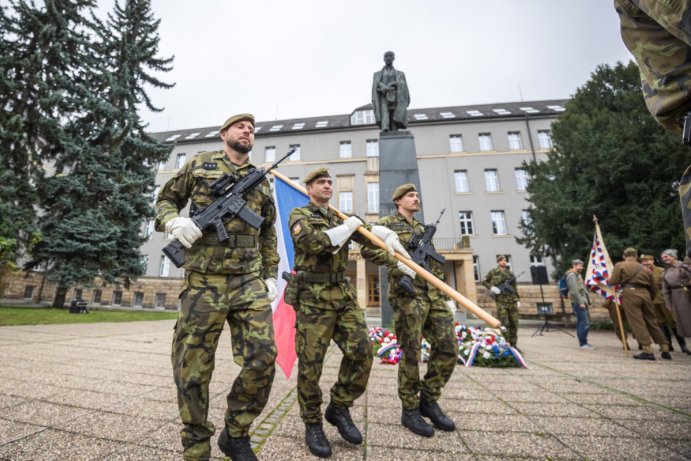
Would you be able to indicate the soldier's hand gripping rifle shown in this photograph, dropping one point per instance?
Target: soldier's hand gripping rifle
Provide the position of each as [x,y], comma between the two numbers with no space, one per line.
[506,287]
[230,203]
[420,248]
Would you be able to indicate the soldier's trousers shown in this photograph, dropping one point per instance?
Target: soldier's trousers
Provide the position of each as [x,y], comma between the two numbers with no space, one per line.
[641,320]
[207,303]
[415,318]
[507,314]
[315,327]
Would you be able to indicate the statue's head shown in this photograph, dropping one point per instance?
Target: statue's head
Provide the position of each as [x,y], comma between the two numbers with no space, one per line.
[389,57]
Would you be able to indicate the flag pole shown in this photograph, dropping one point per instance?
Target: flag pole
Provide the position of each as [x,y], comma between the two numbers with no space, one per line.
[446,289]
[617,304]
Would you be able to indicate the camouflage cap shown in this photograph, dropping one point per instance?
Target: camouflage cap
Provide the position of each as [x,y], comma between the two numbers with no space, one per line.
[402,190]
[237,118]
[646,258]
[630,252]
[318,173]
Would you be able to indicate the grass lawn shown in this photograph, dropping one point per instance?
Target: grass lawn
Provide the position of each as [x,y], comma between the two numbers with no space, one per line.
[44,316]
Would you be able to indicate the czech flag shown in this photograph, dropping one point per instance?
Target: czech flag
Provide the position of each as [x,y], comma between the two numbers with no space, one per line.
[286,198]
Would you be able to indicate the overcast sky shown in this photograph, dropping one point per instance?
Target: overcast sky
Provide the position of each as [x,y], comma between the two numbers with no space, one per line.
[289,59]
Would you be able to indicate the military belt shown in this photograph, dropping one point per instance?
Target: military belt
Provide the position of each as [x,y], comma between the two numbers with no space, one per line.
[234,241]
[314,277]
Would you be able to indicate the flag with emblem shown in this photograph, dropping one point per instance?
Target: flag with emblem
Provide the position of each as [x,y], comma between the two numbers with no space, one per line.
[599,267]
[286,198]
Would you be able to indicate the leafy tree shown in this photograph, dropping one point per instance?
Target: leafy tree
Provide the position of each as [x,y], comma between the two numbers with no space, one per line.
[610,159]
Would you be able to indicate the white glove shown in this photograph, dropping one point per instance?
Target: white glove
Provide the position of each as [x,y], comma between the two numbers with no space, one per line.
[518,304]
[353,222]
[451,305]
[271,290]
[405,269]
[495,290]
[390,238]
[184,229]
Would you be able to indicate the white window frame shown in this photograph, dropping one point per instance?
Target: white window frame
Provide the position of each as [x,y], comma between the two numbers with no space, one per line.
[455,143]
[373,197]
[492,180]
[498,218]
[476,268]
[465,220]
[544,139]
[345,149]
[180,160]
[372,148]
[515,142]
[164,270]
[270,154]
[295,156]
[521,179]
[537,261]
[485,140]
[345,201]
[460,178]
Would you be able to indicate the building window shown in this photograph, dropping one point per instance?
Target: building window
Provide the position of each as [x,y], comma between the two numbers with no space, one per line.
[373,197]
[160,300]
[544,137]
[161,165]
[138,300]
[117,298]
[154,195]
[465,218]
[536,261]
[491,181]
[362,117]
[455,143]
[180,161]
[148,232]
[296,154]
[498,222]
[29,291]
[476,268]
[165,267]
[345,150]
[372,148]
[525,217]
[96,296]
[345,202]
[485,141]
[270,154]
[521,179]
[515,142]
[77,293]
[373,298]
[461,181]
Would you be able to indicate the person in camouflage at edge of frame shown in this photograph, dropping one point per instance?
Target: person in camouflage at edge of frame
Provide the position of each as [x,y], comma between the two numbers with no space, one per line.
[658,34]
[327,309]
[425,312]
[232,281]
[507,303]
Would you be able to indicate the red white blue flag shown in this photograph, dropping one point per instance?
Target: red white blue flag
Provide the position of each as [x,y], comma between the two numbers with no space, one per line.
[599,268]
[286,198]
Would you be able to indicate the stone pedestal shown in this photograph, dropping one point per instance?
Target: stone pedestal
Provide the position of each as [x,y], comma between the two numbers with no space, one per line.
[397,165]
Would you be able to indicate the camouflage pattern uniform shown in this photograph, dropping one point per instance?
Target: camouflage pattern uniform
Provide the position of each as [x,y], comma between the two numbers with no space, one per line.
[326,309]
[224,282]
[423,314]
[507,307]
[658,34]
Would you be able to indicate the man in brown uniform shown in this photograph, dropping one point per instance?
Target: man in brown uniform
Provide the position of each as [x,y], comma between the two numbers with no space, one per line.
[637,292]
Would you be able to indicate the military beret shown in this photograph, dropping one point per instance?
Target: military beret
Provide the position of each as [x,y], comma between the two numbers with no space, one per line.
[646,258]
[402,190]
[314,174]
[237,118]
[630,251]
[500,257]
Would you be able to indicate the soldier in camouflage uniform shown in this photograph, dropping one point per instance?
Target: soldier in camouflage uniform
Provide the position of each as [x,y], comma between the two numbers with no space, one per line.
[507,302]
[327,309]
[232,281]
[424,311]
[658,34]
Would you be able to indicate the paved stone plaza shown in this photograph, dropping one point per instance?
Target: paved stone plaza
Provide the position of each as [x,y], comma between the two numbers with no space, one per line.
[105,392]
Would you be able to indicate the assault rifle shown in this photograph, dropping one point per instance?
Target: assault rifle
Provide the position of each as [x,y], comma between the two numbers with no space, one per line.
[230,202]
[420,248]
[506,286]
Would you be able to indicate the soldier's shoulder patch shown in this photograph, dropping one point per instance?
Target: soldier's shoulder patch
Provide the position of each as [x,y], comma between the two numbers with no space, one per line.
[297,228]
[209,166]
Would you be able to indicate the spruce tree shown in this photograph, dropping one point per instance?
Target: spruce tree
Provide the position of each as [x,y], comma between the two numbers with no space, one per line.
[610,159]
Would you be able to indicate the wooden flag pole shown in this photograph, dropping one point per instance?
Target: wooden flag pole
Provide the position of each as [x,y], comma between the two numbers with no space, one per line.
[446,289]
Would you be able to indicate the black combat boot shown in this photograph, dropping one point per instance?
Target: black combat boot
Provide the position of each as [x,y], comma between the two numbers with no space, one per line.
[412,419]
[340,417]
[238,448]
[432,411]
[644,356]
[666,355]
[316,440]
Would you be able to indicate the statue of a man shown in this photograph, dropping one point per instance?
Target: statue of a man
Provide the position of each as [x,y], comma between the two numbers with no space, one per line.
[390,96]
